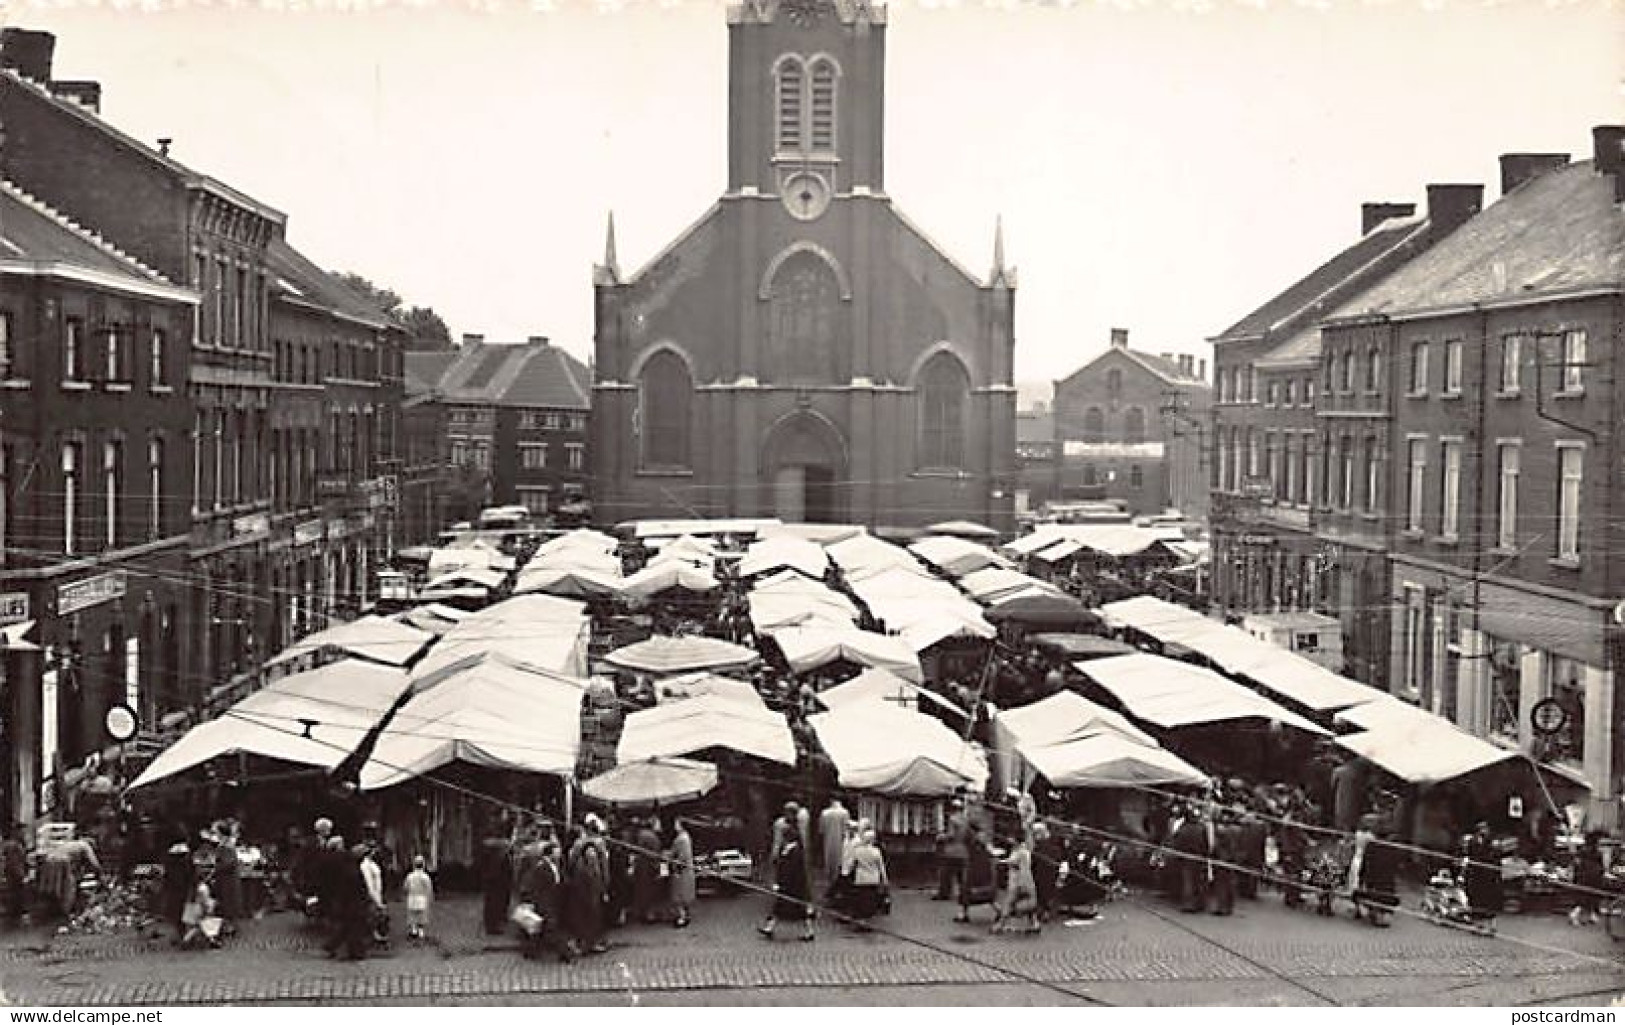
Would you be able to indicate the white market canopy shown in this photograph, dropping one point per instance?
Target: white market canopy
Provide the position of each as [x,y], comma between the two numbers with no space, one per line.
[468,576]
[1415,745]
[476,554]
[867,551]
[580,538]
[374,638]
[667,576]
[1277,670]
[539,630]
[784,552]
[1118,540]
[696,685]
[881,685]
[880,748]
[1107,760]
[657,782]
[1172,694]
[963,528]
[698,528]
[773,611]
[949,623]
[987,584]
[1066,716]
[579,557]
[341,702]
[486,712]
[688,725]
[435,618]
[680,655]
[808,647]
[956,556]
[567,582]
[824,534]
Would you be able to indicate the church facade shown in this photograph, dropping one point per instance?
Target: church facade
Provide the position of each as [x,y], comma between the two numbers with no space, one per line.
[803,350]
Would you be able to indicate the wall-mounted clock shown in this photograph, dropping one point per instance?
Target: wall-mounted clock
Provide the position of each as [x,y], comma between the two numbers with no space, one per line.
[805,195]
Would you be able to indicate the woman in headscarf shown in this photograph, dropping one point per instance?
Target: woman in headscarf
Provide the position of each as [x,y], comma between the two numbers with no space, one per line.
[683,878]
[792,887]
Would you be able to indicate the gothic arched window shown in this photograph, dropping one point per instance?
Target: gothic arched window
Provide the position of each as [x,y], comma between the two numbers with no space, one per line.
[944,401]
[665,393]
[791,79]
[1134,425]
[1094,425]
[804,317]
[824,75]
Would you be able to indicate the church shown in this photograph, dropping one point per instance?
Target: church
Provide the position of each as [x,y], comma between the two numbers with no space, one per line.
[803,350]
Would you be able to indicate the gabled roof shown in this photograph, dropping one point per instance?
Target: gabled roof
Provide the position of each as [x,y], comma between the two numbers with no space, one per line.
[550,379]
[481,373]
[191,178]
[33,232]
[300,280]
[1166,370]
[425,369]
[1560,232]
[1311,297]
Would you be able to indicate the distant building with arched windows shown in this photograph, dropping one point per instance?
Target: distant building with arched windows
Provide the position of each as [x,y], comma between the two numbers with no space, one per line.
[1132,426]
[803,350]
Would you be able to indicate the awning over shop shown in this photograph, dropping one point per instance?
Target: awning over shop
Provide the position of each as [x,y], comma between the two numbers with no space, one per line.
[881,685]
[686,726]
[374,638]
[1415,745]
[1172,694]
[680,655]
[880,748]
[1277,670]
[1106,761]
[810,647]
[486,711]
[315,718]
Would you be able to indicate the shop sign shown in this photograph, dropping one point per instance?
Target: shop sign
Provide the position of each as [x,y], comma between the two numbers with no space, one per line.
[84,594]
[249,526]
[14,608]
[329,486]
[1256,540]
[1258,487]
[309,533]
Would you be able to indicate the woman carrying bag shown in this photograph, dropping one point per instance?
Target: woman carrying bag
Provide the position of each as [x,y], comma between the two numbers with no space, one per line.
[870,885]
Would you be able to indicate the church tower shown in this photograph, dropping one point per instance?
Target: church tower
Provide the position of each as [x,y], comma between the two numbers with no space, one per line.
[803,351]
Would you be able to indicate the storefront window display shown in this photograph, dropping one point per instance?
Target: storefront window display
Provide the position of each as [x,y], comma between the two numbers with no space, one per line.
[1565,682]
[1504,690]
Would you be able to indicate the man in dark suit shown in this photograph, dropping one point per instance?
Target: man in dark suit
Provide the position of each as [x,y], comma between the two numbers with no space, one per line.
[542,888]
[1224,847]
[1190,851]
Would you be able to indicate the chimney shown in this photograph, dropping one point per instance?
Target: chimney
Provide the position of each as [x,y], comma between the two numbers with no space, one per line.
[1119,337]
[1608,145]
[163,146]
[1451,206]
[28,52]
[85,94]
[1373,214]
[469,339]
[537,341]
[1517,168]
[1185,362]
[1201,369]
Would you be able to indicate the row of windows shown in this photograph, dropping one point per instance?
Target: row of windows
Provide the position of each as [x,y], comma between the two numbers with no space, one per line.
[1091,476]
[1094,425]
[1509,484]
[664,414]
[534,456]
[806,95]
[535,497]
[310,362]
[115,353]
[101,507]
[532,420]
[1516,349]
[236,462]
[233,306]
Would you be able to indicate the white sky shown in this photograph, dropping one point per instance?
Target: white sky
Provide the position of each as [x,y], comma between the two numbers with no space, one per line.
[1158,167]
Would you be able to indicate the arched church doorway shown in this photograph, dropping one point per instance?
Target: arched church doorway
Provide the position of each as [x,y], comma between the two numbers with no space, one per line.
[804,459]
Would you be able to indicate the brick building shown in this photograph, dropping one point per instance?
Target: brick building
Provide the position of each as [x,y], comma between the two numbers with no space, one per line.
[1499,350]
[803,350]
[1130,427]
[427,474]
[270,349]
[93,449]
[516,420]
[1269,464]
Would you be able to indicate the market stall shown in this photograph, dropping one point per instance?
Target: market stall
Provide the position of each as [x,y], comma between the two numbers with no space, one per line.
[370,638]
[955,556]
[809,647]
[671,655]
[883,685]
[784,552]
[692,725]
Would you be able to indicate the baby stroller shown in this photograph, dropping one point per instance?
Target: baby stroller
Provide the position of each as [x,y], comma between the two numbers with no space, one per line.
[1445,900]
[1087,882]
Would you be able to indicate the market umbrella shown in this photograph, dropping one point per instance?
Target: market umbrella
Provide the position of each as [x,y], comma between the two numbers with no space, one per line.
[1048,611]
[657,781]
[680,655]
